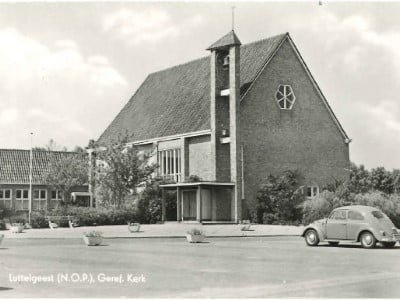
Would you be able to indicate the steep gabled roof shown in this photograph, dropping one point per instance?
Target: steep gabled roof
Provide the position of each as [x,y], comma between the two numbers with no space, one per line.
[177,100]
[15,165]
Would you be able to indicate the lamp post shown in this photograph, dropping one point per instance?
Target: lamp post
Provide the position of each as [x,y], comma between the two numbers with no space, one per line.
[30,181]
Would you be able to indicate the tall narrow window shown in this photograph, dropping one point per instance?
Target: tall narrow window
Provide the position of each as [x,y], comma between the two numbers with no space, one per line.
[39,199]
[169,162]
[22,199]
[5,198]
[56,197]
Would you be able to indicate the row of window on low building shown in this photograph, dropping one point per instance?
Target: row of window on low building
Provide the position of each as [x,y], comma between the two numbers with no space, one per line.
[22,199]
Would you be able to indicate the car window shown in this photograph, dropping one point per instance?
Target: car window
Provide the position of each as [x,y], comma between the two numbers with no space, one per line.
[338,215]
[355,215]
[377,214]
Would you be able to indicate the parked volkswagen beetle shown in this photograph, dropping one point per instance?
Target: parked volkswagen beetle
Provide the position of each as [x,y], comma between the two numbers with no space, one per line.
[356,223]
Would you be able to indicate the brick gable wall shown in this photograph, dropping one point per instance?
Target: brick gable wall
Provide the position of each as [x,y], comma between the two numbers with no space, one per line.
[304,138]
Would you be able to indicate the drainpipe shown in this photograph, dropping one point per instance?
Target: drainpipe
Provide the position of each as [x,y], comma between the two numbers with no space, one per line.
[242,161]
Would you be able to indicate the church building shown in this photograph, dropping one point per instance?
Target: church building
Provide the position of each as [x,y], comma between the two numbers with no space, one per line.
[231,119]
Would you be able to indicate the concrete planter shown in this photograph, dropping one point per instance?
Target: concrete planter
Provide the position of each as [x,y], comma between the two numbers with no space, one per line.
[246,227]
[195,238]
[17,228]
[93,240]
[134,227]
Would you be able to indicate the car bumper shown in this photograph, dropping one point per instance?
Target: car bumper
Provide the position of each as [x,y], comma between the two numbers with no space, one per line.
[394,238]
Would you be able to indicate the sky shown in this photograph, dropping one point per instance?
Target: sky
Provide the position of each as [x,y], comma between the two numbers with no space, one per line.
[67,69]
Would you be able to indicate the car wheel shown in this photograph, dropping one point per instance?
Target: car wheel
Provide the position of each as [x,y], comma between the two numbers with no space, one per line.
[388,244]
[368,240]
[333,243]
[311,237]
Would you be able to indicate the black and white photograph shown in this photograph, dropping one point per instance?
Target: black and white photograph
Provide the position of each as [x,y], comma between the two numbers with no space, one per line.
[199,149]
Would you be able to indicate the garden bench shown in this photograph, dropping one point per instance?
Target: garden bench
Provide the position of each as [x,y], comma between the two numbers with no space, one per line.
[53,219]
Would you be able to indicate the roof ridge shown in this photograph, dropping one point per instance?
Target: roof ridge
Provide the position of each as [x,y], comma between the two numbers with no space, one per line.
[47,151]
[207,56]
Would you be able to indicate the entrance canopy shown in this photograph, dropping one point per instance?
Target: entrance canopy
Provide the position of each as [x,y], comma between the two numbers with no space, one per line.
[202,201]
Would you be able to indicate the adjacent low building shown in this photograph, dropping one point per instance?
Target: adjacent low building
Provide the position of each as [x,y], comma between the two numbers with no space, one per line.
[232,118]
[15,181]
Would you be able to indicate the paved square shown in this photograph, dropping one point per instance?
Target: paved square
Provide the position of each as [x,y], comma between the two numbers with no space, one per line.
[171,267]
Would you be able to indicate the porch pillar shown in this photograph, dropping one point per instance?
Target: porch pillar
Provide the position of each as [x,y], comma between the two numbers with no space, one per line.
[213,204]
[198,204]
[184,159]
[163,214]
[178,204]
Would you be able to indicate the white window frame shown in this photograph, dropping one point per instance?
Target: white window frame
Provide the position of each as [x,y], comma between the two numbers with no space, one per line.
[22,199]
[39,200]
[6,201]
[314,191]
[55,202]
[169,164]
[58,197]
[279,97]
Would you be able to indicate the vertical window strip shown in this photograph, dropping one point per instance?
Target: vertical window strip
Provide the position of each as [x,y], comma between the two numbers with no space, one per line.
[170,164]
[178,164]
[159,162]
[167,159]
[162,163]
[175,170]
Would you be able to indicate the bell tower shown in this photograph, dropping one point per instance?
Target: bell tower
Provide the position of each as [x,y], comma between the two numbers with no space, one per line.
[225,102]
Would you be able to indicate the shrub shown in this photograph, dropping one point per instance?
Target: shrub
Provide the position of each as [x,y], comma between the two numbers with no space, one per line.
[389,204]
[320,206]
[6,213]
[195,231]
[18,220]
[279,199]
[149,210]
[93,233]
[38,220]
[2,225]
[87,216]
[149,204]
[193,178]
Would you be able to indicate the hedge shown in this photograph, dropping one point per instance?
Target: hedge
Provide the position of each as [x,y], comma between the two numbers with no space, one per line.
[319,207]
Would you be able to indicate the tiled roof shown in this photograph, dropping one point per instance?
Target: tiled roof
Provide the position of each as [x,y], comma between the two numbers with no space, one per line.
[228,39]
[15,165]
[177,100]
